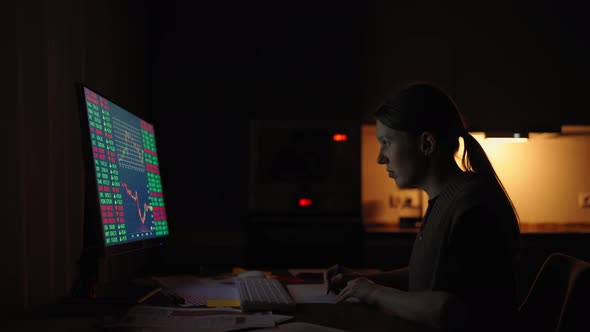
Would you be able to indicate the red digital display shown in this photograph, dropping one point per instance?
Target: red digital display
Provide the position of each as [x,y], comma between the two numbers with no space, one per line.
[340,138]
[305,202]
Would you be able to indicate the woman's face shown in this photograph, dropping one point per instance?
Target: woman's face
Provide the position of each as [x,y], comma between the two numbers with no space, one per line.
[401,155]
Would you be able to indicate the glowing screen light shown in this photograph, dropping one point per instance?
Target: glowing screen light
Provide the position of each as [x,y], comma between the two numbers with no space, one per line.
[127,172]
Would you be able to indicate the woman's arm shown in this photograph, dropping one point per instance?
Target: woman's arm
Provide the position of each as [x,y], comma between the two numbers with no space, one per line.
[395,278]
[338,276]
[434,308]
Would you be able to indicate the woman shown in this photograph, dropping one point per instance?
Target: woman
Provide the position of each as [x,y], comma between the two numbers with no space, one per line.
[463,264]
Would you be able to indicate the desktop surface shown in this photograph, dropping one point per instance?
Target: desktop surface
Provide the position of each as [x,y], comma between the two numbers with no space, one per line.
[353,317]
[91,315]
[349,317]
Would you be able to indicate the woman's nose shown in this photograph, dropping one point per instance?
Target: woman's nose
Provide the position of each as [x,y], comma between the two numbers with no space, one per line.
[381,159]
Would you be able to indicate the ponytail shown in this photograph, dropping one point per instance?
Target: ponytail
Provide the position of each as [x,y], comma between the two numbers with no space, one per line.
[475,159]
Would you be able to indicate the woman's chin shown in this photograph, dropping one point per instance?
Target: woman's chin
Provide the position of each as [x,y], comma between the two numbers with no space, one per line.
[400,183]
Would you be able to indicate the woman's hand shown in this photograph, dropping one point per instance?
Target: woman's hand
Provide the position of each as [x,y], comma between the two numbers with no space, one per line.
[361,288]
[338,276]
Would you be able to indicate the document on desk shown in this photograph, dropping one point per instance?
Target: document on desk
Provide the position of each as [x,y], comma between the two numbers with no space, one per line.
[313,293]
[195,319]
[200,291]
[300,327]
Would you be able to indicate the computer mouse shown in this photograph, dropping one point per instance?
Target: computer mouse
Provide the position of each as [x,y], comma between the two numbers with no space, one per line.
[251,274]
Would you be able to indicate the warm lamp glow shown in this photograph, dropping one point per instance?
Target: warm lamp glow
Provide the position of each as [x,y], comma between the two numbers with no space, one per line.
[544,177]
[495,147]
[507,137]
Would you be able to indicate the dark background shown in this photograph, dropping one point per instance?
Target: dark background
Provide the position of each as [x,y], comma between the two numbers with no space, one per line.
[201,70]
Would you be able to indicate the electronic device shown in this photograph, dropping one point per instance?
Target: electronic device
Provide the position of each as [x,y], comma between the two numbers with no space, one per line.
[304,178]
[261,294]
[124,208]
[297,169]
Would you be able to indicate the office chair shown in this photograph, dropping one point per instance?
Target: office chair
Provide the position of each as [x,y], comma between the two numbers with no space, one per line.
[559,298]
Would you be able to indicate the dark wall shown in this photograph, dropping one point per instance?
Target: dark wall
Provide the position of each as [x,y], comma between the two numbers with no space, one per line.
[506,63]
[50,46]
[218,64]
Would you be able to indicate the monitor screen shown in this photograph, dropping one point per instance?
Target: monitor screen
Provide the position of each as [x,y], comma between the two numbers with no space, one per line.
[126,173]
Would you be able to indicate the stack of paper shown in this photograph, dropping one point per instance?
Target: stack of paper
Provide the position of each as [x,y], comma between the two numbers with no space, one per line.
[300,327]
[196,319]
[201,291]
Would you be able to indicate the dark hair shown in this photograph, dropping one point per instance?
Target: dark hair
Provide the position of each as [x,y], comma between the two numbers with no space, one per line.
[424,107]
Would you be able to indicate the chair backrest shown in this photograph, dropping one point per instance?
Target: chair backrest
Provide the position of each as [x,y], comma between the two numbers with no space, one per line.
[559,298]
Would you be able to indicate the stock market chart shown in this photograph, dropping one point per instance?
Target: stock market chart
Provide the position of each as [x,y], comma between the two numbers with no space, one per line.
[127,172]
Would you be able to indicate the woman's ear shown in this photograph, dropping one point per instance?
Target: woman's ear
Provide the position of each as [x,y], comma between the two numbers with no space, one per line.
[427,143]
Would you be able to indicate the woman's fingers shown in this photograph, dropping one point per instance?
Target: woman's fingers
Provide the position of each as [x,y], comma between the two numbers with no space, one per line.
[344,294]
[359,288]
[347,291]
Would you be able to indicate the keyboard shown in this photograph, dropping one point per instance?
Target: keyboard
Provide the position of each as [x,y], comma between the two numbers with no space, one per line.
[261,294]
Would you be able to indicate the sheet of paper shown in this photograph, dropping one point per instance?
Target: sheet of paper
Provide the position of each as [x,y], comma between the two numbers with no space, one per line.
[212,303]
[197,291]
[175,280]
[197,319]
[281,318]
[313,293]
[300,327]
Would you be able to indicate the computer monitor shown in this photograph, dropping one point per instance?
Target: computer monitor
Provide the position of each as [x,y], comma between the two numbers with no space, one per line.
[125,208]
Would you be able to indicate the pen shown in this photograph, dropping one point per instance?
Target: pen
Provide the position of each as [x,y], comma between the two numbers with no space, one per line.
[148,295]
[328,274]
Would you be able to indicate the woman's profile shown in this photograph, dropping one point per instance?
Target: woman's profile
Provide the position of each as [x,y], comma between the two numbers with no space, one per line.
[463,263]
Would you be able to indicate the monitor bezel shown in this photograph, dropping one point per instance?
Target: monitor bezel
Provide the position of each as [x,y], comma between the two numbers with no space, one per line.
[94,237]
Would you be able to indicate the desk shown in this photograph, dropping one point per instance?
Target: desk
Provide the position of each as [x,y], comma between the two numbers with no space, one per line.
[353,317]
[349,317]
[89,315]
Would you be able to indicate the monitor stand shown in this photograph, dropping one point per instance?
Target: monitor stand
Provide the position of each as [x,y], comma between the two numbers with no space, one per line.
[86,283]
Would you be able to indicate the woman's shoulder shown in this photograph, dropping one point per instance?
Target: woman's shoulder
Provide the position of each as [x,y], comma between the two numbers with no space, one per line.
[476,191]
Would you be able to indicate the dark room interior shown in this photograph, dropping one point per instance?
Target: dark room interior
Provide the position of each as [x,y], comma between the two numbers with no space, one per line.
[263,112]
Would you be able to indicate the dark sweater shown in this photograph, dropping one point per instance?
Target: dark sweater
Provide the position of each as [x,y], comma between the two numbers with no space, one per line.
[468,246]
